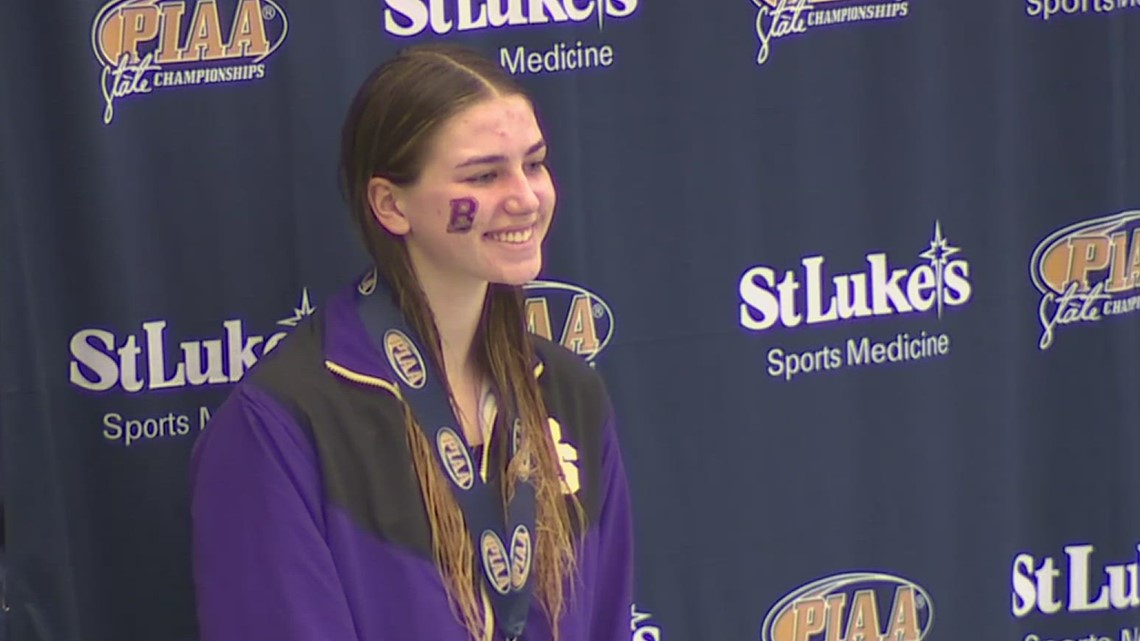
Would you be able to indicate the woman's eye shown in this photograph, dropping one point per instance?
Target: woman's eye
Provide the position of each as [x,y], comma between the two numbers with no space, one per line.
[536,165]
[482,178]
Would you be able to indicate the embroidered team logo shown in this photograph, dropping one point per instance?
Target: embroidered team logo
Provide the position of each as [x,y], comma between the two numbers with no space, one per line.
[520,557]
[495,562]
[147,45]
[456,459]
[567,459]
[405,358]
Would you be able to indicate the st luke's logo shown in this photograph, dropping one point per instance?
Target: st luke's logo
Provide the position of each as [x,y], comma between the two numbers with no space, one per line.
[1086,272]
[407,18]
[776,19]
[147,45]
[149,360]
[412,18]
[941,279]
[1082,581]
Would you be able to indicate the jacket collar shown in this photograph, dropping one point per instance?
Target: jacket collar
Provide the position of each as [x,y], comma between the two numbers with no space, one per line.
[348,347]
[347,344]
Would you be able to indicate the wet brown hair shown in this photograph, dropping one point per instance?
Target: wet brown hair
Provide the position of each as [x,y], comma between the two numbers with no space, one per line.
[388,132]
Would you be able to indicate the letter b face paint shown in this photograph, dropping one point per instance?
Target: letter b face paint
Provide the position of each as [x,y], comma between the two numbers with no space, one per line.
[462,215]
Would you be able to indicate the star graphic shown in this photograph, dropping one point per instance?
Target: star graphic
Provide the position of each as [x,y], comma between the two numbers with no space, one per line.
[939,249]
[299,313]
[937,254]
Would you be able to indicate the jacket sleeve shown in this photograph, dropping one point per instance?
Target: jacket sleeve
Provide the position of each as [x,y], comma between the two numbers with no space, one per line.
[613,588]
[262,568]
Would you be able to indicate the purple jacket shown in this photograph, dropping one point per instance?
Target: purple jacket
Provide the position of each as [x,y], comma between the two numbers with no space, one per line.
[308,523]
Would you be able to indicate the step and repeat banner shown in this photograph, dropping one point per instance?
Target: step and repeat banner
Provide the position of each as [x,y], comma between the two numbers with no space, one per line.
[863,277]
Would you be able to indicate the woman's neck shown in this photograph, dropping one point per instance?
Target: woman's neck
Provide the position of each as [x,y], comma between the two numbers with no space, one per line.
[457,305]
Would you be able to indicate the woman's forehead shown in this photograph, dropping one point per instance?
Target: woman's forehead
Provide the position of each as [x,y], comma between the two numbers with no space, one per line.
[501,123]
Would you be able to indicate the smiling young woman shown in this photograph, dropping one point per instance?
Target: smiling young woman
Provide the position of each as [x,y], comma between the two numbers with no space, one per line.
[411,463]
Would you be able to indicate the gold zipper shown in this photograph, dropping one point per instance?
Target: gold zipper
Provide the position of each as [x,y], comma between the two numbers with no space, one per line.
[364,379]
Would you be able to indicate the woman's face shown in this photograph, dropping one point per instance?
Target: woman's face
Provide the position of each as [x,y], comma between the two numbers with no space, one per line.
[484,200]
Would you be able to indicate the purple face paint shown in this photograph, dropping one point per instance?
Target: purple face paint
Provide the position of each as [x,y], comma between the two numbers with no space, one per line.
[462,215]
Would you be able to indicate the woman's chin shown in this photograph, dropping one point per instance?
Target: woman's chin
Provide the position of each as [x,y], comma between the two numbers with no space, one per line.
[518,275]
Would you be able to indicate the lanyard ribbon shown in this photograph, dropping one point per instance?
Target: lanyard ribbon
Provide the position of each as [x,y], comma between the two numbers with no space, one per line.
[503,543]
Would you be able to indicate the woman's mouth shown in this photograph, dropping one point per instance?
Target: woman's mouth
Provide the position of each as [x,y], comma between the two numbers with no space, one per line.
[514,237]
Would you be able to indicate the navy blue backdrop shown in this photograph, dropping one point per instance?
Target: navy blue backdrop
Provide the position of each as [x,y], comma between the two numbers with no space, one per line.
[863,277]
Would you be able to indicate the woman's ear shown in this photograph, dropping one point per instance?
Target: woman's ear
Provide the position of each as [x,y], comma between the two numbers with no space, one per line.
[382,197]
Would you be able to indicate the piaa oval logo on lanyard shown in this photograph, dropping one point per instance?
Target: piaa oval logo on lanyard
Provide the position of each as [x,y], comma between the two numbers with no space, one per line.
[506,569]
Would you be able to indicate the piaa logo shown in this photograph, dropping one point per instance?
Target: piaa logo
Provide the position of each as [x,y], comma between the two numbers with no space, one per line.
[1087,271]
[495,563]
[520,557]
[146,45]
[405,358]
[857,606]
[585,320]
[777,19]
[456,459]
